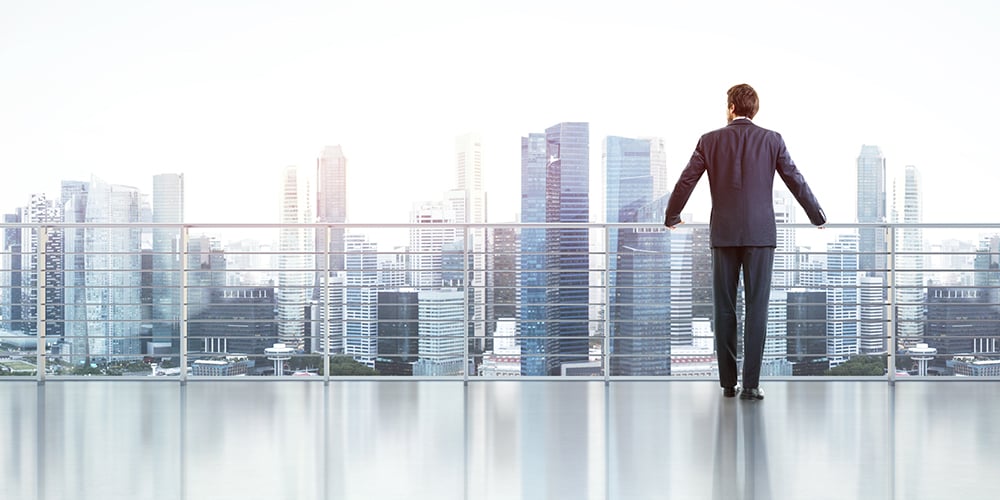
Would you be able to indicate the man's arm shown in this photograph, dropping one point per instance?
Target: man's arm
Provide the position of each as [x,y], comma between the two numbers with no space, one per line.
[685,185]
[797,185]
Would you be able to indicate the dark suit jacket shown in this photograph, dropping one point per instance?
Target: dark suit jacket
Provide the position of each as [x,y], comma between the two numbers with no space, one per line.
[741,159]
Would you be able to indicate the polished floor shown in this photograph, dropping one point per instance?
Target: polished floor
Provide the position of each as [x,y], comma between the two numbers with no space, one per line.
[497,440]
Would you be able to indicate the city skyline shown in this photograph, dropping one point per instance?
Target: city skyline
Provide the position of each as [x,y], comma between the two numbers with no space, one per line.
[224,101]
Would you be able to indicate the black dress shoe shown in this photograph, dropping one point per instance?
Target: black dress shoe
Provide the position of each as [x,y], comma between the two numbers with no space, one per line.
[729,392]
[752,393]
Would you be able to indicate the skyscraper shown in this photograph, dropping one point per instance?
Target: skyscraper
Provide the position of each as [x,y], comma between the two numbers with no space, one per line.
[871,208]
[331,203]
[842,298]
[534,261]
[909,277]
[502,287]
[168,208]
[398,331]
[361,299]
[103,265]
[784,253]
[442,333]
[806,335]
[426,243]
[295,259]
[472,210]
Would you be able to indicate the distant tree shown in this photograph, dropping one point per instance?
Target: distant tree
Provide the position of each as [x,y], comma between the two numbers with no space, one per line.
[346,366]
[860,366]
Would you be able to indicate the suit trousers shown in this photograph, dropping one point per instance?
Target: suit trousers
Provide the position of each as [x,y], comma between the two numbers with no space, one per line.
[756,264]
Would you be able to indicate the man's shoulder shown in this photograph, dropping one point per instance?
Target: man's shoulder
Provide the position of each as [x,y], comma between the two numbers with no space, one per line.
[731,129]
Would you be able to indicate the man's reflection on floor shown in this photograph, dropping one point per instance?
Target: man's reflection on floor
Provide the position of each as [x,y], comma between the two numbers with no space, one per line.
[741,461]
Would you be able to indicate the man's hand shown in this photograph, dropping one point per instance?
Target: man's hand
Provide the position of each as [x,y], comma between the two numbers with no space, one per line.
[675,226]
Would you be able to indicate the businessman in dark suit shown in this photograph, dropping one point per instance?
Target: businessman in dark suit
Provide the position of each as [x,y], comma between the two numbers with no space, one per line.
[741,159]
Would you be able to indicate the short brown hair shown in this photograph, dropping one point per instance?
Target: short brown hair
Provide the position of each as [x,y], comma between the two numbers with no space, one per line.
[744,99]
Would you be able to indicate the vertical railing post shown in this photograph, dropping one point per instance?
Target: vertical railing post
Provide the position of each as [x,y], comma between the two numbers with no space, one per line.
[893,307]
[465,300]
[184,304]
[324,295]
[606,324]
[40,353]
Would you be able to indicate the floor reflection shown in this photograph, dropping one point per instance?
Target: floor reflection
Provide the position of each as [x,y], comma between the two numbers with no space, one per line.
[498,440]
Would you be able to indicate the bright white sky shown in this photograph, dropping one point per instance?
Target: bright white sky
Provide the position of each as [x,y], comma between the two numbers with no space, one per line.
[230,92]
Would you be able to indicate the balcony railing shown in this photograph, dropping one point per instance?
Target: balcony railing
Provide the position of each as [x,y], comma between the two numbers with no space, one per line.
[483,301]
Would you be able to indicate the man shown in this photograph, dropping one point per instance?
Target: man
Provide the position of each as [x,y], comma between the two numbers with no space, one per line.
[741,159]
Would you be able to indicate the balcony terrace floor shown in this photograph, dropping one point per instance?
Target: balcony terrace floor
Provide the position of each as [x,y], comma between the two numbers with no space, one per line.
[497,440]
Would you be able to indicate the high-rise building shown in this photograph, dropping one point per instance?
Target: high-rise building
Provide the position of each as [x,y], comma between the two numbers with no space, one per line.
[361,299]
[11,275]
[775,362]
[103,267]
[296,269]
[236,320]
[958,318]
[331,204]
[645,316]
[168,208]
[442,333]
[555,189]
[502,288]
[806,334]
[784,253]
[398,331]
[701,274]
[534,260]
[872,315]
[328,315]
[871,209]
[41,210]
[426,243]
[909,277]
[842,298]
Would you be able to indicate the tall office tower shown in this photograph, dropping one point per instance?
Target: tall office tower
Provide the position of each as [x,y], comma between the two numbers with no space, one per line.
[361,299]
[392,270]
[296,268]
[775,361]
[871,208]
[331,204]
[534,261]
[442,333]
[701,274]
[909,279]
[168,208]
[806,336]
[237,320]
[810,269]
[842,298]
[784,254]
[74,202]
[987,268]
[872,325]
[426,243]
[11,274]
[642,311]
[469,177]
[566,200]
[501,281]
[41,211]
[959,319]
[103,267]
[328,315]
[658,166]
[398,331]
[206,268]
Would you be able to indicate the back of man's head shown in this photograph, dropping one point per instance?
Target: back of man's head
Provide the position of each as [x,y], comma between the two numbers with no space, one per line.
[743,98]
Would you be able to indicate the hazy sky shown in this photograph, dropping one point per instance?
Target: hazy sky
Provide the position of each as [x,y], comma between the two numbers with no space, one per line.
[228,93]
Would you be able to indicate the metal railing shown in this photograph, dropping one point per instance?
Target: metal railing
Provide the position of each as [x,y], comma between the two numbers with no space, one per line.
[483,301]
